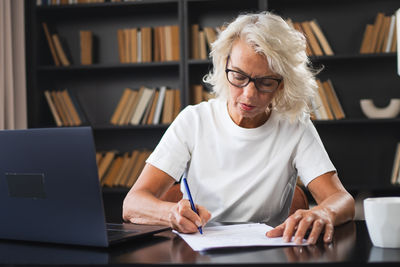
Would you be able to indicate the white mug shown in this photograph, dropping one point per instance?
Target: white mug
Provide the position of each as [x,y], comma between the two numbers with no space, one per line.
[382,216]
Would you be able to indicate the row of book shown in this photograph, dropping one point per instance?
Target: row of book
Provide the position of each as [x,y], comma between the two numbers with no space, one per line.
[326,104]
[65,108]
[201,40]
[65,2]
[381,36]
[200,93]
[120,169]
[148,44]
[396,166]
[72,2]
[317,44]
[57,51]
[147,106]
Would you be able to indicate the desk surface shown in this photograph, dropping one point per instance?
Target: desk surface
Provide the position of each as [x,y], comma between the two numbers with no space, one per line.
[351,245]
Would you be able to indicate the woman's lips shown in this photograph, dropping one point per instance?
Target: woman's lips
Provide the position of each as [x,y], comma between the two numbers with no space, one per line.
[246,107]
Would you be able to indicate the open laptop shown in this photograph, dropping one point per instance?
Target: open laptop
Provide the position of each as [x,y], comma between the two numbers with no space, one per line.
[50,190]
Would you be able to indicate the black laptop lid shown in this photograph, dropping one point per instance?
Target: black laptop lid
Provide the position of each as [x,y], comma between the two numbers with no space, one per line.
[49,188]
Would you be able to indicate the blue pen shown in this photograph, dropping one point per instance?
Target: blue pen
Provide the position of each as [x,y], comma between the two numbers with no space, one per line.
[191,201]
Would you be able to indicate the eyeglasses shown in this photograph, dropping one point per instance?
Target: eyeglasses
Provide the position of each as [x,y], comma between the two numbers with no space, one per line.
[263,84]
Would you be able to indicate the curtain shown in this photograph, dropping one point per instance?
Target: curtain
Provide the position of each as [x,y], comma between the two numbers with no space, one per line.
[13,107]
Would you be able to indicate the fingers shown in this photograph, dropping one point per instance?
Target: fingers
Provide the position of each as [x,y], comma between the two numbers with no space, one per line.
[291,226]
[277,231]
[185,220]
[298,224]
[204,214]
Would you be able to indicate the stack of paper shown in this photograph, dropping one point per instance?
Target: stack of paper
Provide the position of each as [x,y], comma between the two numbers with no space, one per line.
[237,235]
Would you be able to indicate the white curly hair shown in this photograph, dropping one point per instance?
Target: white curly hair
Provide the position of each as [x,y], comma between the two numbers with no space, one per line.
[285,50]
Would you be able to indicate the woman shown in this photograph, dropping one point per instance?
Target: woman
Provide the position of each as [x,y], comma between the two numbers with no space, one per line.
[243,151]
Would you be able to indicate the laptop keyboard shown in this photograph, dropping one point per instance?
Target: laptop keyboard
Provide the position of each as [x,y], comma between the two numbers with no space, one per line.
[115,231]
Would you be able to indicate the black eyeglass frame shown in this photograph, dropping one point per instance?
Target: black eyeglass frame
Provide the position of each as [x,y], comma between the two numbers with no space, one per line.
[250,79]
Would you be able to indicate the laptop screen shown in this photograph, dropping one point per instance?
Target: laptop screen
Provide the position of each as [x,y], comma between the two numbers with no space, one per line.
[49,187]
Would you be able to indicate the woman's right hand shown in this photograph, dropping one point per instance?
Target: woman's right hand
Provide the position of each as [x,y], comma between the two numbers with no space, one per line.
[183,219]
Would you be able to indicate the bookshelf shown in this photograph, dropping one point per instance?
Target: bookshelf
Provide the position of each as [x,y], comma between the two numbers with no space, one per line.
[362,149]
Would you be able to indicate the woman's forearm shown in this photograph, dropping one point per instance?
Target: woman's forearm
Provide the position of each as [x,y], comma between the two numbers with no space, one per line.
[340,206]
[144,208]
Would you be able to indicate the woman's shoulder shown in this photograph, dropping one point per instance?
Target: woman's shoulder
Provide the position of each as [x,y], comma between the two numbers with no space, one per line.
[294,124]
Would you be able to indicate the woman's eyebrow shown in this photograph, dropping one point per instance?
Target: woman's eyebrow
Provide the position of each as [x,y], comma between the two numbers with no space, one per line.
[272,75]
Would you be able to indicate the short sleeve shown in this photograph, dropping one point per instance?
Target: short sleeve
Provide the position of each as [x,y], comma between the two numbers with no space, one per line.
[173,151]
[311,159]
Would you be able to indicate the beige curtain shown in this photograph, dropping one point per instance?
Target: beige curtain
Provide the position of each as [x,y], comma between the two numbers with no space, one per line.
[13,113]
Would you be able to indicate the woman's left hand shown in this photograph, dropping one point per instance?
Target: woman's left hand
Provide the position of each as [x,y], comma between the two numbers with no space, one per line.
[318,219]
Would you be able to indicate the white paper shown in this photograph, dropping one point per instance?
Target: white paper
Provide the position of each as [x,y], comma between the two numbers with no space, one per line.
[237,235]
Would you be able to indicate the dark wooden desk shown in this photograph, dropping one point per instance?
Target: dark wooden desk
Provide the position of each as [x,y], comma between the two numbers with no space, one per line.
[351,246]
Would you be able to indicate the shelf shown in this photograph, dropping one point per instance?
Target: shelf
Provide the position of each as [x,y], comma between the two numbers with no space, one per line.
[117,66]
[339,57]
[357,121]
[103,127]
[105,5]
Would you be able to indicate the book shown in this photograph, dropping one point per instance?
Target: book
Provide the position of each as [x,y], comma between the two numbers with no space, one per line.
[120,106]
[396,165]
[124,165]
[133,107]
[324,100]
[390,34]
[385,34]
[175,43]
[146,114]
[86,45]
[202,45]
[153,108]
[105,163]
[194,41]
[177,103]
[71,108]
[66,108]
[146,44]
[333,99]
[168,43]
[60,50]
[52,108]
[143,102]
[168,108]
[311,38]
[132,33]
[323,115]
[51,44]
[112,173]
[121,45]
[130,166]
[159,107]
[139,165]
[60,108]
[156,44]
[162,45]
[366,41]
[128,107]
[77,105]
[321,37]
[376,30]
[139,47]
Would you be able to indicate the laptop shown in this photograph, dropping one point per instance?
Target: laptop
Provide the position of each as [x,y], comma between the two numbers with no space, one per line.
[50,190]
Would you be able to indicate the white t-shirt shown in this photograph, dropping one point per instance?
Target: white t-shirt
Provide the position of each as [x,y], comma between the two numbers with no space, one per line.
[240,174]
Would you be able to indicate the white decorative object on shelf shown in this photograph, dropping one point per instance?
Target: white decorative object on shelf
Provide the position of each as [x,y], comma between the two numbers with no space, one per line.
[373,112]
